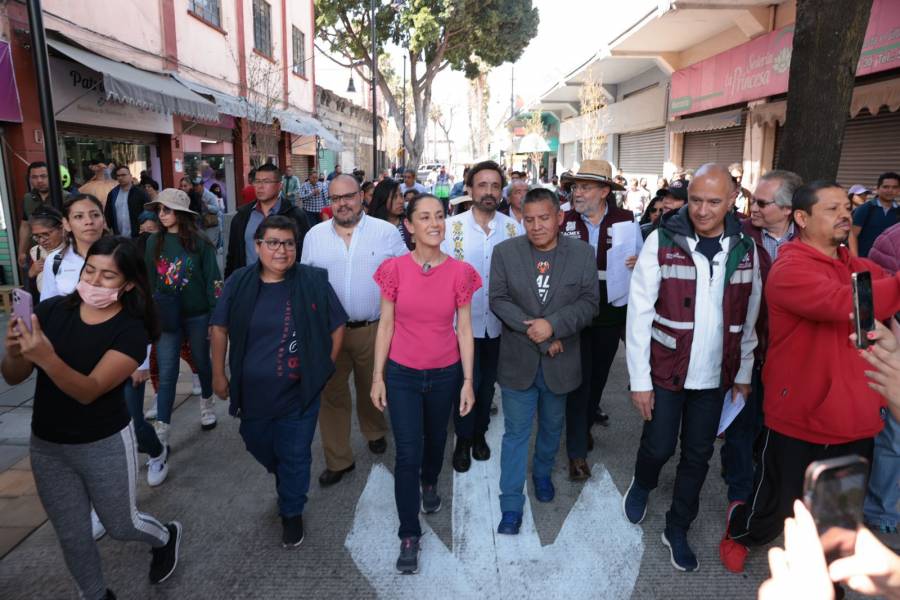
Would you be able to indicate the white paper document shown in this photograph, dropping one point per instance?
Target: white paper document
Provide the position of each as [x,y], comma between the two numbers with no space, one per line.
[626,241]
[730,411]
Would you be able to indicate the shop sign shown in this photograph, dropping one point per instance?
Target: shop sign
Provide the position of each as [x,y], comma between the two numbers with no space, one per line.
[78,97]
[760,68]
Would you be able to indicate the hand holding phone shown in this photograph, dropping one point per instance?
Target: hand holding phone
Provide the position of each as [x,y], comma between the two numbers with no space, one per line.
[23,306]
[834,491]
[863,307]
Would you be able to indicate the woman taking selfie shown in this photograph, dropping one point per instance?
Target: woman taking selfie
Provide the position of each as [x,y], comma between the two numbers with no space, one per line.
[185,279]
[85,346]
[421,363]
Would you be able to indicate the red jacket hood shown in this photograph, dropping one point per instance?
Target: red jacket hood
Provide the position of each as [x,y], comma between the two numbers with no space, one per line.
[815,384]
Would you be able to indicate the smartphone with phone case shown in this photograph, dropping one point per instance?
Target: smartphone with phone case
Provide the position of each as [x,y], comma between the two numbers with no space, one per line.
[23,306]
[833,491]
[863,307]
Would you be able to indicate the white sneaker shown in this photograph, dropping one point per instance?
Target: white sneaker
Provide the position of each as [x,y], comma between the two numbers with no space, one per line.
[96,526]
[162,432]
[158,468]
[207,413]
[150,415]
[196,389]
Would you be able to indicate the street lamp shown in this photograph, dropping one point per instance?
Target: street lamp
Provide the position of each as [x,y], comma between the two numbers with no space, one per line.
[374,88]
[351,89]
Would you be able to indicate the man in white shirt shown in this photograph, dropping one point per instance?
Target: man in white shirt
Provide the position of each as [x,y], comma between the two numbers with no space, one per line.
[471,237]
[350,247]
[692,308]
[410,183]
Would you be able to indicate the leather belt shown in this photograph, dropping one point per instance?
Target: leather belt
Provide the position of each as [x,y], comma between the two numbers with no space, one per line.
[358,324]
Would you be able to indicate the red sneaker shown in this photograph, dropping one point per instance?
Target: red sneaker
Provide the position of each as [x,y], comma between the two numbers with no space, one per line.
[732,554]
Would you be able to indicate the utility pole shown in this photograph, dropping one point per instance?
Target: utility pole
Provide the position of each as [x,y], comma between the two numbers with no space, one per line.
[374,105]
[512,89]
[403,141]
[45,98]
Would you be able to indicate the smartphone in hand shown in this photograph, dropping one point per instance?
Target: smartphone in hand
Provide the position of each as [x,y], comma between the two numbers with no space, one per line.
[863,307]
[23,306]
[834,491]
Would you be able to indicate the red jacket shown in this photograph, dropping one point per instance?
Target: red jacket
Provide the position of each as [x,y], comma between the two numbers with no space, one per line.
[815,386]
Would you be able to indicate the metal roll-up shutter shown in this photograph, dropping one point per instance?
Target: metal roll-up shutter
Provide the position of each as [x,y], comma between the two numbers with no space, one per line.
[870,148]
[721,146]
[642,152]
[93,132]
[302,165]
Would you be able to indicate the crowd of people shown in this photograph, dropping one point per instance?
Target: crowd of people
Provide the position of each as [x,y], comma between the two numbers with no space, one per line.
[430,312]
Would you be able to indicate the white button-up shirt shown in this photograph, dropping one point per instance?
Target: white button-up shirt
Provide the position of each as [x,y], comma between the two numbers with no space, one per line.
[350,268]
[465,240]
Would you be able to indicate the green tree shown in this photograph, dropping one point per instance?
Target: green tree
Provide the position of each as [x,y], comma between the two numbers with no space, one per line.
[436,34]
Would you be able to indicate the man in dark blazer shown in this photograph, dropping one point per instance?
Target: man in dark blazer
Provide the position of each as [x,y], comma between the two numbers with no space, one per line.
[124,204]
[544,288]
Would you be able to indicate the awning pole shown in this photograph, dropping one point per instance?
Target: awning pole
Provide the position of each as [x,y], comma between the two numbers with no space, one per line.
[45,98]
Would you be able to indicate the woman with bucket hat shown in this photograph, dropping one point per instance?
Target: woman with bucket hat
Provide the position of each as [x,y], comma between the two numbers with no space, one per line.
[185,279]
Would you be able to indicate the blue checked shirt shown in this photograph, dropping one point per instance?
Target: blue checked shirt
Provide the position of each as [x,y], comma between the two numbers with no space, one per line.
[314,197]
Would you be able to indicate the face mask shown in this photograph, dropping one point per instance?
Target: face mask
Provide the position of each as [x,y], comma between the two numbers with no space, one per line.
[96,296]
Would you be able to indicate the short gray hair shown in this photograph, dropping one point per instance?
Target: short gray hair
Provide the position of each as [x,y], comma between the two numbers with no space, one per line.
[789,182]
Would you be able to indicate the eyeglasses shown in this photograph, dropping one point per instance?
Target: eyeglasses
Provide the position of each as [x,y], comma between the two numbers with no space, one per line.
[761,203]
[41,237]
[584,187]
[344,198]
[273,245]
[265,181]
[653,211]
[125,174]
[164,210]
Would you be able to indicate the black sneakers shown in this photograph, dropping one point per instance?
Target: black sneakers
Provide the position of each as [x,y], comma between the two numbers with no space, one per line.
[480,449]
[291,531]
[462,455]
[408,561]
[165,559]
[431,502]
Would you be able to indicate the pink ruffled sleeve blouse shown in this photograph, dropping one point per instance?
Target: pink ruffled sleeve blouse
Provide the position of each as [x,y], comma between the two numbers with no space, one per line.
[424,308]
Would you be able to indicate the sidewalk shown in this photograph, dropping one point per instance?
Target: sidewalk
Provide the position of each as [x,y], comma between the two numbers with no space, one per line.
[21,512]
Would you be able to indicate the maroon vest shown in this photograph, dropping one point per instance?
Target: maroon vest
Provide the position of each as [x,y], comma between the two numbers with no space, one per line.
[673,326]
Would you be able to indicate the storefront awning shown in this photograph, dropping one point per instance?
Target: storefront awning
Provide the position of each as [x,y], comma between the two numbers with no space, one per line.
[234,106]
[152,91]
[722,120]
[768,114]
[871,97]
[9,93]
[303,125]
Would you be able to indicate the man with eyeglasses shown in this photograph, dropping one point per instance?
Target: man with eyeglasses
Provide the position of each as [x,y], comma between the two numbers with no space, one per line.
[38,195]
[693,302]
[285,325]
[241,244]
[591,218]
[313,196]
[124,204]
[351,246]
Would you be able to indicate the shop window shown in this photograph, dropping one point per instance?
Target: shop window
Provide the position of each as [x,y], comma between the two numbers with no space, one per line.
[262,27]
[208,10]
[299,52]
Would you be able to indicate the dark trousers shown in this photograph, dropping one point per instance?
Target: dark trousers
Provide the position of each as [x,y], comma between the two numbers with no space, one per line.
[740,438]
[487,355]
[419,403]
[147,441]
[598,350]
[696,414]
[282,446]
[779,481]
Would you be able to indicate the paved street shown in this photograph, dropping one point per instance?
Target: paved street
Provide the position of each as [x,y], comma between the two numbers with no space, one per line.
[232,549]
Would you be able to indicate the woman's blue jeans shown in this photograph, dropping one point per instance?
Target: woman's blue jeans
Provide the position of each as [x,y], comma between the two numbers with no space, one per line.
[168,352]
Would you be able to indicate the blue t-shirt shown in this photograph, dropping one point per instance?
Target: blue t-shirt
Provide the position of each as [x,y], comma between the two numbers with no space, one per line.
[273,360]
[873,220]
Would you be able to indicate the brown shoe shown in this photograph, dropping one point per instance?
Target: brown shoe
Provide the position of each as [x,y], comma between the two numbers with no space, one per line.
[579,470]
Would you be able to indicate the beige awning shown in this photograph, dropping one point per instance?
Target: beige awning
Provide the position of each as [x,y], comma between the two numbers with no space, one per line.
[769,114]
[874,96]
[723,120]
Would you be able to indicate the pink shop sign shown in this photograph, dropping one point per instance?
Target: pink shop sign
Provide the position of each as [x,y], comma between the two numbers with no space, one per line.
[760,67]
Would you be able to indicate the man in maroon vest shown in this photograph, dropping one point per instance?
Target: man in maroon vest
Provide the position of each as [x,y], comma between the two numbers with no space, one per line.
[694,298]
[590,220]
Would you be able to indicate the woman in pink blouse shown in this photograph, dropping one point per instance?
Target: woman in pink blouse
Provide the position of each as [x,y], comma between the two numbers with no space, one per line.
[420,361]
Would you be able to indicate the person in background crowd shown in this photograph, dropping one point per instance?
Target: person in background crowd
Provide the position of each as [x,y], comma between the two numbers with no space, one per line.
[313,196]
[84,347]
[211,218]
[248,193]
[636,198]
[742,202]
[472,237]
[544,289]
[858,195]
[809,298]
[241,244]
[459,188]
[876,215]
[124,203]
[350,247]
[591,221]
[151,187]
[410,184]
[661,183]
[84,225]
[388,205]
[38,194]
[770,226]
[517,190]
[337,171]
[422,364]
[290,186]
[883,500]
[49,236]
[643,185]
[282,353]
[100,183]
[368,188]
[460,204]
[694,298]
[672,199]
[216,189]
[653,212]
[185,279]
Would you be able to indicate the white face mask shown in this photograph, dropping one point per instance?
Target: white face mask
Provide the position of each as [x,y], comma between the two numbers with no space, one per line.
[96,296]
